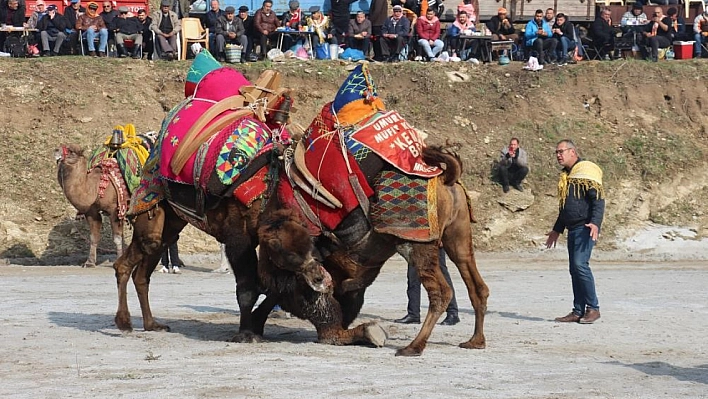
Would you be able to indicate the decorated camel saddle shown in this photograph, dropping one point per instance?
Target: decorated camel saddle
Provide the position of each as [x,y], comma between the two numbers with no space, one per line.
[216,143]
[355,153]
[121,161]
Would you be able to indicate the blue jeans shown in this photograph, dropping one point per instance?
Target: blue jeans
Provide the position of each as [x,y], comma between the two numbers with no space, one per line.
[102,39]
[566,45]
[697,51]
[579,250]
[431,53]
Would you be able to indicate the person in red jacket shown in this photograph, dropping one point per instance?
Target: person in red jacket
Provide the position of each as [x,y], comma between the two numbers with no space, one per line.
[428,30]
[264,24]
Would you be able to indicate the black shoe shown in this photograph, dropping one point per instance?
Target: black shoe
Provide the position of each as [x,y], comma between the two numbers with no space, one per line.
[505,189]
[519,187]
[53,54]
[450,320]
[408,320]
[45,53]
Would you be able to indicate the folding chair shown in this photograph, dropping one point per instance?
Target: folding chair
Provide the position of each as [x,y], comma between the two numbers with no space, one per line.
[192,32]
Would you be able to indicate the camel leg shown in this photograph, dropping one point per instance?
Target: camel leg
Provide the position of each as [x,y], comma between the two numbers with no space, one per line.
[260,314]
[117,230]
[457,241]
[245,265]
[424,257]
[93,217]
[147,230]
[153,249]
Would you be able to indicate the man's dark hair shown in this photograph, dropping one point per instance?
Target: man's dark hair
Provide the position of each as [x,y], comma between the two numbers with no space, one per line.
[539,11]
[461,12]
[671,12]
[551,9]
[560,15]
[267,2]
[142,11]
[515,139]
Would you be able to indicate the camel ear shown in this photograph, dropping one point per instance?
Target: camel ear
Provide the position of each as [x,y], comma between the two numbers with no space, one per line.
[274,245]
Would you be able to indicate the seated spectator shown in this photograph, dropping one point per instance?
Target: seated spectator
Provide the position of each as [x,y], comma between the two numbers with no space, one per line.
[291,19]
[461,26]
[321,26]
[166,25]
[359,35]
[657,34]
[564,32]
[678,25]
[247,22]
[12,13]
[52,28]
[93,25]
[700,32]
[539,36]
[500,26]
[130,28]
[71,13]
[395,34]
[428,30]
[513,166]
[229,29]
[635,16]
[550,16]
[108,14]
[603,35]
[37,14]
[148,43]
[264,24]
[209,21]
[471,7]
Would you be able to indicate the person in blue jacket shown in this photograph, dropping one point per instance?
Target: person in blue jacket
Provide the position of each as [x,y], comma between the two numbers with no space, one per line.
[539,37]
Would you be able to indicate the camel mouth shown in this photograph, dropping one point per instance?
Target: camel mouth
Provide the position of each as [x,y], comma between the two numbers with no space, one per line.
[58,155]
[319,280]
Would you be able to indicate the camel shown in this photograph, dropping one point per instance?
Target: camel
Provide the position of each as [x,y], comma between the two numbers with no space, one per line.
[356,260]
[300,285]
[82,191]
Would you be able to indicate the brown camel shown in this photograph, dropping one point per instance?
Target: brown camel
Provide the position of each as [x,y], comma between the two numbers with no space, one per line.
[82,191]
[356,261]
[236,226]
[293,279]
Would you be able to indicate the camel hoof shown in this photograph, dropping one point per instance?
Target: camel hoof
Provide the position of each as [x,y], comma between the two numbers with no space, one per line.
[474,344]
[123,324]
[247,337]
[408,351]
[155,326]
[375,334]
[88,265]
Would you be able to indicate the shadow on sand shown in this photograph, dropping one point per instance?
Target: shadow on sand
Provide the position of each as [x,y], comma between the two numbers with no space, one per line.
[697,374]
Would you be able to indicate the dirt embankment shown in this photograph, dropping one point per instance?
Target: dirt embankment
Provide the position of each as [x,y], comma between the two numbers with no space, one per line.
[645,124]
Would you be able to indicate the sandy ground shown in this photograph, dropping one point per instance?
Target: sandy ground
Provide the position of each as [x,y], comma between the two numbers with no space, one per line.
[58,340]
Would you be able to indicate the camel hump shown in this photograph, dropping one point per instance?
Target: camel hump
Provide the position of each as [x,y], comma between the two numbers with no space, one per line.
[446,159]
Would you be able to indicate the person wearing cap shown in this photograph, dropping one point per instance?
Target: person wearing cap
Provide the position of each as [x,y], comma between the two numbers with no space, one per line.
[291,19]
[52,28]
[91,25]
[501,26]
[700,32]
[130,28]
[265,23]
[37,14]
[395,33]
[209,21]
[247,22]
[339,10]
[229,29]
[320,24]
[148,43]
[359,34]
[166,25]
[71,13]
[635,16]
[428,30]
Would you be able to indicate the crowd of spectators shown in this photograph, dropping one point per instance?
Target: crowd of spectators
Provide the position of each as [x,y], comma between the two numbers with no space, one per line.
[393,37]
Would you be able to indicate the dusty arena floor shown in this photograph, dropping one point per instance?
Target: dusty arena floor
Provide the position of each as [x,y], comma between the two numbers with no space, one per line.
[58,339]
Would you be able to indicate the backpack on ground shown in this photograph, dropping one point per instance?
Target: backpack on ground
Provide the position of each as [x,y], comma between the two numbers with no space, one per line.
[15,47]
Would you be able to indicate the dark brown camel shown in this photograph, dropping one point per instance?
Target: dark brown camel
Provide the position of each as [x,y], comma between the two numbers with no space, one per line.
[81,189]
[287,271]
[355,265]
[229,222]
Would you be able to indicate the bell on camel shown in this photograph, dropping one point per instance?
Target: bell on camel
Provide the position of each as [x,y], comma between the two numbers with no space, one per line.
[116,139]
[282,114]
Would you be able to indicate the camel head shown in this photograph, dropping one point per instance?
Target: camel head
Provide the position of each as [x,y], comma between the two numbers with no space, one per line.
[285,240]
[68,154]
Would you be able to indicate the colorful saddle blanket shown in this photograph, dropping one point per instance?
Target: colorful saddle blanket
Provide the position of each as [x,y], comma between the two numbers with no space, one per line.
[130,157]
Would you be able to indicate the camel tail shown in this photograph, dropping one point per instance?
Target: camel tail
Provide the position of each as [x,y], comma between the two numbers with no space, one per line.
[445,158]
